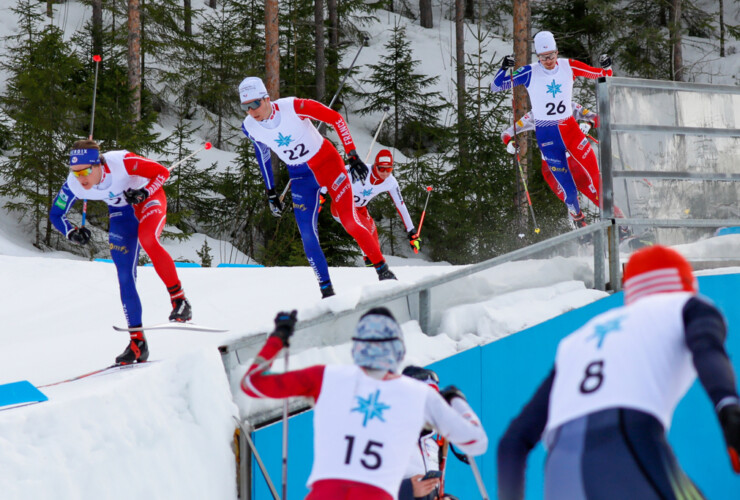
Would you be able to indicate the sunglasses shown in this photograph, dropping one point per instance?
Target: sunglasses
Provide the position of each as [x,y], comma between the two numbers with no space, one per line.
[82,173]
[422,374]
[253,105]
[384,169]
[549,57]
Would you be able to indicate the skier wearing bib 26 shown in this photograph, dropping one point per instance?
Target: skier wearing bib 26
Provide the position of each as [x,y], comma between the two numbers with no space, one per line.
[367,417]
[550,87]
[608,402]
[131,185]
[285,127]
[379,181]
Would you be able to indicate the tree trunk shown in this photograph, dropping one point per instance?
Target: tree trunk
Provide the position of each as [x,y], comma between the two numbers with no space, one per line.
[212,4]
[460,76]
[97,26]
[134,57]
[318,15]
[522,30]
[272,49]
[333,56]
[425,14]
[470,10]
[675,30]
[49,10]
[721,28]
[188,17]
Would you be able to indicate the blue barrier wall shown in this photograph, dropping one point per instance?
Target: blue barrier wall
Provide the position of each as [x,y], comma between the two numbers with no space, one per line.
[500,377]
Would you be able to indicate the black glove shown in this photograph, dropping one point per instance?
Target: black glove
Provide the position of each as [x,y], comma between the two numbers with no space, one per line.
[358,170]
[451,392]
[729,418]
[80,235]
[507,62]
[276,206]
[284,326]
[605,61]
[414,240]
[135,196]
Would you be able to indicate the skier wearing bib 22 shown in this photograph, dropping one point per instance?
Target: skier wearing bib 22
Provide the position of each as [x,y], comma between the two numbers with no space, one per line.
[550,87]
[284,126]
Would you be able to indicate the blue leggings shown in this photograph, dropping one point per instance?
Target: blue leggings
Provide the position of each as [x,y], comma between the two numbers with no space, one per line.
[305,191]
[553,148]
[123,237]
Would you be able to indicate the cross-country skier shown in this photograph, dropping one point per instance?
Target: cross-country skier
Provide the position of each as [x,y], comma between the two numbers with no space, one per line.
[550,86]
[367,417]
[608,401]
[131,185]
[380,180]
[285,127]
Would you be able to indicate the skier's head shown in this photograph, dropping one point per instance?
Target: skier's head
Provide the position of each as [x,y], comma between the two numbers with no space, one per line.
[657,269]
[426,375]
[378,341]
[254,98]
[84,163]
[383,165]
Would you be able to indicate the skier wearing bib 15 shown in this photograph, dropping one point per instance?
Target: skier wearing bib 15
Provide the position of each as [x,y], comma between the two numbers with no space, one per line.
[284,126]
[380,180]
[367,417]
[550,86]
[131,185]
[605,408]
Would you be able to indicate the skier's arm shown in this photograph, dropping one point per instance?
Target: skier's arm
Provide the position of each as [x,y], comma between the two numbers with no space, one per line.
[144,167]
[59,208]
[395,192]
[502,82]
[456,422]
[308,108]
[583,69]
[262,152]
[521,436]
[259,384]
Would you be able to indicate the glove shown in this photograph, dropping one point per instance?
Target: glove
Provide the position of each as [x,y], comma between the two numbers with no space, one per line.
[357,168]
[585,127]
[507,62]
[284,326]
[322,200]
[512,147]
[729,418]
[451,392]
[80,235]
[276,206]
[135,196]
[605,61]
[414,241]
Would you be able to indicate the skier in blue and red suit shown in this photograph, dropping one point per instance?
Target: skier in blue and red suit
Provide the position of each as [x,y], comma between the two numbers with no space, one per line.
[550,86]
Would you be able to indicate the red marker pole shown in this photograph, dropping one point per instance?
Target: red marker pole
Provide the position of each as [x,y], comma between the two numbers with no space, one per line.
[207,146]
[97,60]
[423,213]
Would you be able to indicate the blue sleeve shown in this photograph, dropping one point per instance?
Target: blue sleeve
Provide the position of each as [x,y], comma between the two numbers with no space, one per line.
[705,332]
[263,158]
[59,208]
[521,77]
[522,435]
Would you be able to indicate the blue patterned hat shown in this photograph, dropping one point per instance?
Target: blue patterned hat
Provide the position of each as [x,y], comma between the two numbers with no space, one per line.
[378,341]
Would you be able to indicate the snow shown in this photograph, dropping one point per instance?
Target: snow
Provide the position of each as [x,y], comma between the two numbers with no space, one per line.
[165,429]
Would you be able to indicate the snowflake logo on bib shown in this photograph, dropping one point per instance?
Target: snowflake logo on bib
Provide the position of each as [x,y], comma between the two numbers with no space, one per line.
[554,88]
[367,192]
[602,330]
[283,140]
[371,407]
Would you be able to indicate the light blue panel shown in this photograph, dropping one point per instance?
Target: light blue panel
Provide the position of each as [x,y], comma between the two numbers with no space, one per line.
[178,264]
[239,265]
[20,392]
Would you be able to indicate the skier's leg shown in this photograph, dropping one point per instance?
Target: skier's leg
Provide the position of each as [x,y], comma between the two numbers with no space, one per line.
[553,151]
[550,179]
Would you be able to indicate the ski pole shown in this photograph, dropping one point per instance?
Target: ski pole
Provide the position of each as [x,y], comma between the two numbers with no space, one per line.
[207,146]
[516,156]
[285,436]
[478,478]
[443,467]
[285,191]
[97,60]
[370,150]
[423,213]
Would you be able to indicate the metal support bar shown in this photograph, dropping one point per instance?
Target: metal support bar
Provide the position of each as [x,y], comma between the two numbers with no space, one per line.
[425,309]
[246,478]
[599,252]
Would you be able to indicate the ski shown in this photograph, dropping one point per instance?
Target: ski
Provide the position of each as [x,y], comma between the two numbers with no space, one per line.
[171,326]
[101,371]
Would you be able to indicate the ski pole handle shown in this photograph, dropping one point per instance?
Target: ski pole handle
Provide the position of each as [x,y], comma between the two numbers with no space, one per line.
[207,145]
[370,149]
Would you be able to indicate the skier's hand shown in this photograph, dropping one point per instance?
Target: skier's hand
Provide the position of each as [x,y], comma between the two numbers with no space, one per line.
[507,62]
[605,61]
[512,147]
[414,240]
[80,235]
[585,127]
[135,196]
[276,206]
[423,487]
[729,418]
[451,392]
[358,170]
[284,326]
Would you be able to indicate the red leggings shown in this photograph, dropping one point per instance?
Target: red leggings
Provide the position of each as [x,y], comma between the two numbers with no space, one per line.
[328,168]
[364,217]
[152,215]
[341,489]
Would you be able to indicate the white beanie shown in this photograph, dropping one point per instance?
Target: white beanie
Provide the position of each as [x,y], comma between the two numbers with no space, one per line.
[544,42]
[251,89]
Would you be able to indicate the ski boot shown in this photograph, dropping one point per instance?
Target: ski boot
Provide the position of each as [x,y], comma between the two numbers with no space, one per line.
[368,262]
[181,311]
[326,290]
[384,273]
[137,351]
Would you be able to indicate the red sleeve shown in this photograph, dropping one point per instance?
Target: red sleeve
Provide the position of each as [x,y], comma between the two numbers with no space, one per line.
[258,384]
[307,108]
[150,169]
[583,69]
